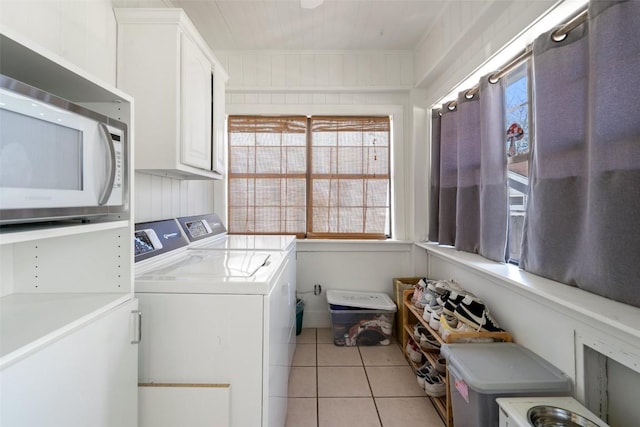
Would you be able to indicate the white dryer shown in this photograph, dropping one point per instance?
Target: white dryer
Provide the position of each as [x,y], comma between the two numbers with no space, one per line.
[209,319]
[208,232]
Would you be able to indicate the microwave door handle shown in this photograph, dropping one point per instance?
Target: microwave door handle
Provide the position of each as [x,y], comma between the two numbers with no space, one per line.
[106,192]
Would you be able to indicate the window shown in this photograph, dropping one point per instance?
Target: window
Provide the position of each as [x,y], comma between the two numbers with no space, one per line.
[518,143]
[317,177]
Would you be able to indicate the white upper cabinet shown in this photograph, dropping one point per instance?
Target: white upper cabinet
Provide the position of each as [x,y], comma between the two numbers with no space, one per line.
[195,99]
[178,86]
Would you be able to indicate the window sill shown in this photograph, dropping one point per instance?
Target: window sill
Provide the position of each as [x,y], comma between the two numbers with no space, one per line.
[623,317]
[335,245]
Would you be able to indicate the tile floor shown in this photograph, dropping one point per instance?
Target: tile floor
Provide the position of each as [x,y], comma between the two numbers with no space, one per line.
[333,386]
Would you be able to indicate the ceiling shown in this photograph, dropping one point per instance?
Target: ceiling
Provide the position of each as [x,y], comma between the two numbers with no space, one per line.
[334,25]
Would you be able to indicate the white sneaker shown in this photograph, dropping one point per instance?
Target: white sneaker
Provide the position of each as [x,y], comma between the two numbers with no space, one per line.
[412,351]
[434,385]
[434,320]
[441,366]
[424,371]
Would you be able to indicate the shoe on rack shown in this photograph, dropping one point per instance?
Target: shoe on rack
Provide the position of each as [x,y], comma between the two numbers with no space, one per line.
[434,320]
[447,285]
[441,366]
[418,330]
[433,306]
[412,351]
[435,287]
[460,327]
[434,385]
[429,342]
[417,295]
[425,299]
[424,371]
[474,313]
[448,324]
[453,300]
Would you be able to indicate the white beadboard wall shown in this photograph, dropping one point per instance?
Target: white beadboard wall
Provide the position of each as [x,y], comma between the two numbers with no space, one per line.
[328,71]
[83,31]
[159,197]
[468,34]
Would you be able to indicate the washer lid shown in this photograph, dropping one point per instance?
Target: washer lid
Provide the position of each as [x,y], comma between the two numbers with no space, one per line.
[211,265]
[213,272]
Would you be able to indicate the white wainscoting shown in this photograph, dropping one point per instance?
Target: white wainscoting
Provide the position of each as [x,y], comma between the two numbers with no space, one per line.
[352,265]
[159,197]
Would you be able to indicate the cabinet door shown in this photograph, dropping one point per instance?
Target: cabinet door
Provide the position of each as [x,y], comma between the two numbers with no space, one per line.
[195,105]
[87,378]
[219,147]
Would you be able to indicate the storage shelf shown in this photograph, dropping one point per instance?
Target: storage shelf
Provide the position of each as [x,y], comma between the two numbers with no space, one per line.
[30,321]
[37,231]
[440,402]
[454,336]
[413,315]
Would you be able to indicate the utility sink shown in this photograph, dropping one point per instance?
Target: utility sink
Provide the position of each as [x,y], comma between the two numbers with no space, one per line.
[551,416]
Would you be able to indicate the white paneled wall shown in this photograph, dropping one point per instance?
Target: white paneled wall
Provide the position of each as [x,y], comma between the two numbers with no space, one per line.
[468,34]
[333,71]
[159,197]
[81,31]
[354,266]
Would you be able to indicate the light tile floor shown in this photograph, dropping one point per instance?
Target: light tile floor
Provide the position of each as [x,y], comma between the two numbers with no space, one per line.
[333,386]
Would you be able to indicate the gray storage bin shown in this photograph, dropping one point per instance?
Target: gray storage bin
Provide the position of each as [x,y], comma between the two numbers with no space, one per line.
[480,373]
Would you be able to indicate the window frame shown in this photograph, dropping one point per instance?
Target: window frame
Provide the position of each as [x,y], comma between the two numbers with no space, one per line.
[400,186]
[516,181]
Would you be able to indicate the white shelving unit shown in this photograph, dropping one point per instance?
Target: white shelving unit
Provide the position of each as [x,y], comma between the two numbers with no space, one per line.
[68,316]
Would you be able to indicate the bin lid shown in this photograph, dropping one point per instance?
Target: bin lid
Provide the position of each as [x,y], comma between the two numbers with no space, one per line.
[371,300]
[504,367]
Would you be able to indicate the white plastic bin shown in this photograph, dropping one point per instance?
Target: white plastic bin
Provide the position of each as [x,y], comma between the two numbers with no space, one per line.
[361,318]
[480,373]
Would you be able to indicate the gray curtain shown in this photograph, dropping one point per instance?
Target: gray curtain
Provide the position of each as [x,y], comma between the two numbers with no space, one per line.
[555,210]
[469,196]
[494,200]
[610,264]
[468,155]
[434,194]
[448,177]
[583,217]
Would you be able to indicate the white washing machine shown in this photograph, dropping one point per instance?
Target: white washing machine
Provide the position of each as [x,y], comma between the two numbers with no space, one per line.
[514,410]
[207,232]
[211,317]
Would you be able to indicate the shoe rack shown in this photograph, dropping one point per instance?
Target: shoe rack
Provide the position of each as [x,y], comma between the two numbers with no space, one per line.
[412,315]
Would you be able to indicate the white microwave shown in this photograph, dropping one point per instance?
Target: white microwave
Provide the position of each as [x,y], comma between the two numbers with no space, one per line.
[58,160]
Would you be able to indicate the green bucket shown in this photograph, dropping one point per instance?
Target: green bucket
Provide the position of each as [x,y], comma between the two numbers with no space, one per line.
[299,313]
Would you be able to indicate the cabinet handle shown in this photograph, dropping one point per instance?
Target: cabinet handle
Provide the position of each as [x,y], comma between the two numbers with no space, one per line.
[138,326]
